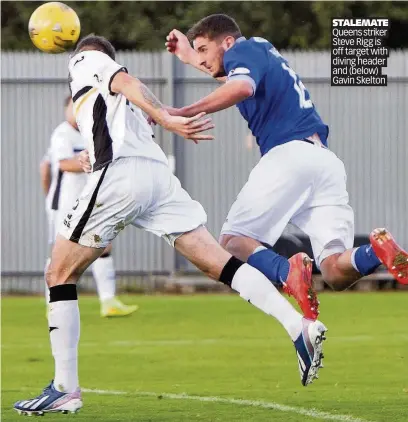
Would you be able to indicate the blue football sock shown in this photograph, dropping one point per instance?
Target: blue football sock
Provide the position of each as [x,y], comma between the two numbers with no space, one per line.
[364,260]
[271,264]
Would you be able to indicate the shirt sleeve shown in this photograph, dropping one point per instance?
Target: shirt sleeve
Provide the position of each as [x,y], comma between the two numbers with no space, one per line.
[94,68]
[245,62]
[61,146]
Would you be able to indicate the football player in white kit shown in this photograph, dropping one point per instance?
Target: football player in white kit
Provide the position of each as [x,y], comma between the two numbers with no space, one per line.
[131,183]
[67,182]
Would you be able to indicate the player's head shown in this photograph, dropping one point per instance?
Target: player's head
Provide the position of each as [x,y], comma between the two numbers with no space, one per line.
[69,112]
[95,42]
[212,36]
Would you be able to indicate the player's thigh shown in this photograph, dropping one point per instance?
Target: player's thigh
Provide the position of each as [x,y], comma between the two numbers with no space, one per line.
[68,261]
[277,189]
[172,211]
[108,203]
[202,250]
[330,229]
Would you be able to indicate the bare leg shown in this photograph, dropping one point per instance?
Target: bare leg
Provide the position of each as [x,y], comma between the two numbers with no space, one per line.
[202,250]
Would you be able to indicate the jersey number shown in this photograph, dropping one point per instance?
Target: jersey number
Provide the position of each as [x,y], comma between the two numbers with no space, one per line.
[299,87]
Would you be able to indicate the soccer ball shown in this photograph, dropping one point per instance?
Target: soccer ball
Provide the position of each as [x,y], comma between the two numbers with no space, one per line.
[54,27]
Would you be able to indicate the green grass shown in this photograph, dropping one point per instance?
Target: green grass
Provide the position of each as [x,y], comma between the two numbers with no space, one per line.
[215,346]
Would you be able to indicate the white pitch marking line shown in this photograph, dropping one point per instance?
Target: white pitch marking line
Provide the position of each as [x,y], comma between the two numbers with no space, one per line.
[251,403]
[192,342]
[176,342]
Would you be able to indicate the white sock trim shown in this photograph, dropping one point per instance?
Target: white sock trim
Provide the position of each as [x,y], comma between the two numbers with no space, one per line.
[353,259]
[259,249]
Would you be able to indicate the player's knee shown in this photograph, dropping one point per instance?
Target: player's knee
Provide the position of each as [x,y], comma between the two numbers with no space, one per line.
[237,246]
[224,240]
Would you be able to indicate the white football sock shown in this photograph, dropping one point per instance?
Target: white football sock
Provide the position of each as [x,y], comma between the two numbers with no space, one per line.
[63,320]
[254,287]
[103,271]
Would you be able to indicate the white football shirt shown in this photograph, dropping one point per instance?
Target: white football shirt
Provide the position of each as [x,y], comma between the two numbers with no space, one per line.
[65,187]
[111,126]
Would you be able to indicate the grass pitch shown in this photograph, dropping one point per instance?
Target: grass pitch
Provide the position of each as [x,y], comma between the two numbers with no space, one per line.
[216,358]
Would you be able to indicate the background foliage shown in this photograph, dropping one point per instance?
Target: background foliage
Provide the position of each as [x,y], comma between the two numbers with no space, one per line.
[144,25]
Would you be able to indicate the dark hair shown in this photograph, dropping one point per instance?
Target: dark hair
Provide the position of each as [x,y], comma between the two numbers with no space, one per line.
[99,43]
[67,100]
[213,26]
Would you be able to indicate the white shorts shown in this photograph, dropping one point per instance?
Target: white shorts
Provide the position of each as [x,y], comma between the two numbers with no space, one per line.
[133,190]
[298,183]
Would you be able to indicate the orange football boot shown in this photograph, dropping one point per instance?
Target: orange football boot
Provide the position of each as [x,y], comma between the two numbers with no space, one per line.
[392,256]
[299,285]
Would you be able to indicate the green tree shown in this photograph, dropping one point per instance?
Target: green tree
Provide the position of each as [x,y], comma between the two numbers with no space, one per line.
[144,25]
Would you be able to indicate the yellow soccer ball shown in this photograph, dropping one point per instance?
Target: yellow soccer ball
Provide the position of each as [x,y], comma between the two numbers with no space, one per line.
[54,27]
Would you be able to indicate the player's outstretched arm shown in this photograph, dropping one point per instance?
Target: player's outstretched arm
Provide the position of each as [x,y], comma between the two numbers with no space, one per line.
[138,93]
[177,43]
[231,93]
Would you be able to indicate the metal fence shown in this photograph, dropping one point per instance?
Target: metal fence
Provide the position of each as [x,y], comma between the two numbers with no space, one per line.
[368,128]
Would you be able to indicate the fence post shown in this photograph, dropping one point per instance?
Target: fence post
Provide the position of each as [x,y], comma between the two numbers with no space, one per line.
[173,145]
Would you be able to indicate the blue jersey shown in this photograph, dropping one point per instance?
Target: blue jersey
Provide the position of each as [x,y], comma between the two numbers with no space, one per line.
[280,109]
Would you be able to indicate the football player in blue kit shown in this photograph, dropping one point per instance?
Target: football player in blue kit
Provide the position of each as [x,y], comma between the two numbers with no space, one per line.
[298,180]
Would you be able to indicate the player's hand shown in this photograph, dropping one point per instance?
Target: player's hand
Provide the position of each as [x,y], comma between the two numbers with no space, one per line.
[178,44]
[190,127]
[84,161]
